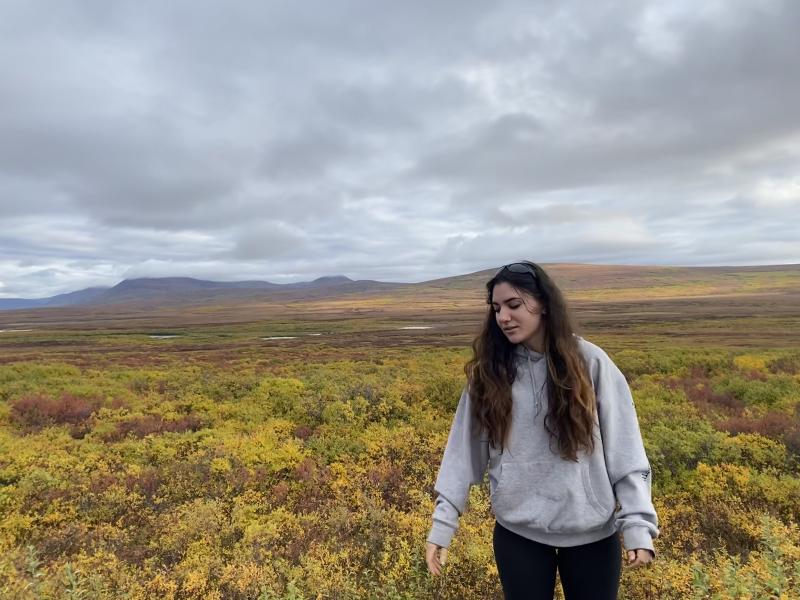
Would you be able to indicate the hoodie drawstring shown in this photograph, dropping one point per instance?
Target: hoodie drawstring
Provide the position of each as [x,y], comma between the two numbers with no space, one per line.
[537,396]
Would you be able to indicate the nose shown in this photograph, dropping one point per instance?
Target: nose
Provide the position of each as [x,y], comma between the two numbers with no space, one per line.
[503,315]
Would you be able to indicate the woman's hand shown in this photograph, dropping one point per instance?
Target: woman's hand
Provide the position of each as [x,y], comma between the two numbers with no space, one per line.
[639,557]
[435,556]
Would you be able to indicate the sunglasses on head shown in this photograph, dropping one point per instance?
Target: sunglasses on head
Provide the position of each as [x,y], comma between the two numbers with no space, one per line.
[517,267]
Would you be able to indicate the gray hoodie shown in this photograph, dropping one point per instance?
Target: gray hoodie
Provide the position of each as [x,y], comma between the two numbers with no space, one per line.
[534,491]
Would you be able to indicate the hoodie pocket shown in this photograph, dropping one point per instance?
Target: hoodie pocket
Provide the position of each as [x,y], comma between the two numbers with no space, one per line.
[600,491]
[552,497]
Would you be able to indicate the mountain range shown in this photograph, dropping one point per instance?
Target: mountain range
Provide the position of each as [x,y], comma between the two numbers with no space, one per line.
[582,282]
[187,290]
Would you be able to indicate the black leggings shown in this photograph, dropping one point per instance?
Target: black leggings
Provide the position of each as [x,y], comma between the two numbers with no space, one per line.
[528,569]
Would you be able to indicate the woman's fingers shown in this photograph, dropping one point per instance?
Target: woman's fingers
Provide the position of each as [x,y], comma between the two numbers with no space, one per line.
[435,556]
[432,558]
[634,562]
[639,557]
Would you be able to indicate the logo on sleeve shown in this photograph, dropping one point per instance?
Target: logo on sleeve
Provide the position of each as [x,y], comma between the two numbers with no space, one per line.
[646,474]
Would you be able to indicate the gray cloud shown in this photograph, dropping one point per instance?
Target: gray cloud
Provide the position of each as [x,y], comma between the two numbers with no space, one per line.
[397,142]
[268,240]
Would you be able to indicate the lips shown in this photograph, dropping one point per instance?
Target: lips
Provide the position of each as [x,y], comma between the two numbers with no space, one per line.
[510,329]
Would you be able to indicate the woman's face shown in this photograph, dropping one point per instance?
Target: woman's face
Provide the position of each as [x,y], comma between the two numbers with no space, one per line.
[519,315]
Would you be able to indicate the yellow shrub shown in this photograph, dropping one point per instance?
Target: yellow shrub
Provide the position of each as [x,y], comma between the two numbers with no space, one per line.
[749,362]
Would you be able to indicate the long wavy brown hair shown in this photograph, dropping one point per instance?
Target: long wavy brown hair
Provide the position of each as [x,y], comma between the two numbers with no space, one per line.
[492,369]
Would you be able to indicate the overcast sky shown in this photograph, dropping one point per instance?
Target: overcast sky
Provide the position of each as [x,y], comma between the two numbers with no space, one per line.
[399,141]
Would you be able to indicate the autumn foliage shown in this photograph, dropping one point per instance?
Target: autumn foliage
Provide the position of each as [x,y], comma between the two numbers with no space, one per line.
[305,479]
[35,411]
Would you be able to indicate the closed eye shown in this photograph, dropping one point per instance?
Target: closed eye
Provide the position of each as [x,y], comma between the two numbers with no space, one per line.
[496,308]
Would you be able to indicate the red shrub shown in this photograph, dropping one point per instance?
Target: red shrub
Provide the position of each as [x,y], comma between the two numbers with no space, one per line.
[699,372]
[703,396]
[785,364]
[755,376]
[101,482]
[147,482]
[699,392]
[774,424]
[37,410]
[118,403]
[306,469]
[312,493]
[303,432]
[390,480]
[239,479]
[279,493]
[140,427]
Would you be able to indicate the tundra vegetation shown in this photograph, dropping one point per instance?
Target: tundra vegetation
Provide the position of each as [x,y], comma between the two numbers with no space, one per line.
[218,464]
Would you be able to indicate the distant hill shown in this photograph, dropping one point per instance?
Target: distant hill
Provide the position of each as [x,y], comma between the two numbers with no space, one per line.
[84,296]
[168,290]
[161,291]
[593,282]
[581,283]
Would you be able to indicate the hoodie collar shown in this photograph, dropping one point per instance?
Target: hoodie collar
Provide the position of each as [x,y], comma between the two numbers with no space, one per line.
[521,351]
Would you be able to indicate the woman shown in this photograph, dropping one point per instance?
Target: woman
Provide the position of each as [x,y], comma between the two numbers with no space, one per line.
[553,418]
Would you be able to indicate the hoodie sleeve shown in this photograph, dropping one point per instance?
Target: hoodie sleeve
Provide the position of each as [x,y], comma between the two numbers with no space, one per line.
[464,463]
[626,461]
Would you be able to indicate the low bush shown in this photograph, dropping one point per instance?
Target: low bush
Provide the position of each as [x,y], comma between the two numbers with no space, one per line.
[787,365]
[700,392]
[773,424]
[142,426]
[36,411]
